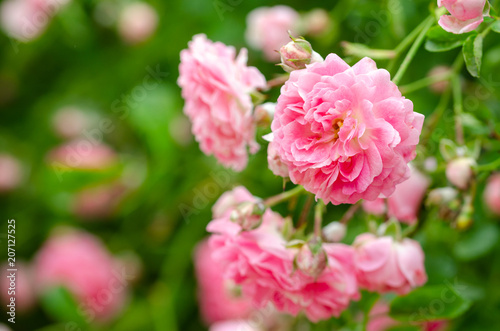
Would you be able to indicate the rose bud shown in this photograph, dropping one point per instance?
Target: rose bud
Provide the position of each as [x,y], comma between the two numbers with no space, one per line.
[441,196]
[311,258]
[248,215]
[459,172]
[334,232]
[492,193]
[296,54]
[274,162]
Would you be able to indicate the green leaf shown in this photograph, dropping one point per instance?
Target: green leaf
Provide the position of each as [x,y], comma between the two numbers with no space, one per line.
[429,303]
[496,26]
[473,53]
[439,40]
[60,304]
[477,243]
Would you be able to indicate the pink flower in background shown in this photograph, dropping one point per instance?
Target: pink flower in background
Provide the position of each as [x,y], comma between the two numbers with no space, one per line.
[216,87]
[137,22]
[259,261]
[26,20]
[24,286]
[80,262]
[385,265]
[267,29]
[492,193]
[236,325]
[82,154]
[345,133]
[99,201]
[70,122]
[466,15]
[11,174]
[216,301]
[404,204]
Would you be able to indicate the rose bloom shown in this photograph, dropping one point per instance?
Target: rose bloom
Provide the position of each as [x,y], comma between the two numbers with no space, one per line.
[406,200]
[267,29]
[492,193]
[218,301]
[466,15]
[26,20]
[137,22]
[385,265]
[259,261]
[216,87]
[345,133]
[80,262]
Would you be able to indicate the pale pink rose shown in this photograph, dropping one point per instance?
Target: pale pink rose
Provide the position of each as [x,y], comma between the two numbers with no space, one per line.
[466,15]
[216,87]
[218,298]
[26,20]
[385,265]
[492,193]
[99,201]
[230,200]
[404,204]
[137,22]
[80,262]
[274,162]
[70,122]
[259,261]
[236,325]
[267,29]
[11,173]
[82,154]
[345,133]
[24,286]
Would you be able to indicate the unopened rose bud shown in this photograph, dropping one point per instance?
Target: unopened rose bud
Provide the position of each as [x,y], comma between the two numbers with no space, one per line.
[248,215]
[311,259]
[334,232]
[441,196]
[459,172]
[264,113]
[275,163]
[492,193]
[296,54]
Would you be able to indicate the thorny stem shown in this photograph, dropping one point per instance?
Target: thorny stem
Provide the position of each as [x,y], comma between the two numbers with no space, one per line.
[274,200]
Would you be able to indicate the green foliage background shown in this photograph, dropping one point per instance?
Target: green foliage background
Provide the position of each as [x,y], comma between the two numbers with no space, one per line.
[78,62]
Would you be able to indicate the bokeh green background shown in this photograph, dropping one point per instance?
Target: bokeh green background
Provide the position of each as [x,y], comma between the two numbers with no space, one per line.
[78,62]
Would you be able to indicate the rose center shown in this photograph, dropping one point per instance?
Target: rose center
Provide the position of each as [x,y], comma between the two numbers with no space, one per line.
[336,126]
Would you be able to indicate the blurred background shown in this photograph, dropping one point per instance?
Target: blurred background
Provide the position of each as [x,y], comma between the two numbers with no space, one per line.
[97,156]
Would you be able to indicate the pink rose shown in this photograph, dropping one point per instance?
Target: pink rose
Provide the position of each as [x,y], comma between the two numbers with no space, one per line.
[267,29]
[466,15]
[385,265]
[404,204]
[137,22]
[260,262]
[345,133]
[217,303]
[492,193]
[26,20]
[236,325]
[80,262]
[216,87]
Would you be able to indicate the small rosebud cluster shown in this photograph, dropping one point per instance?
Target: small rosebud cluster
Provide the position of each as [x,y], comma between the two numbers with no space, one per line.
[296,54]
